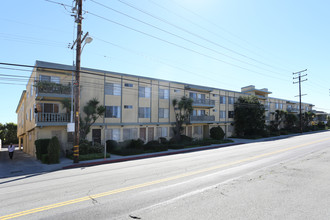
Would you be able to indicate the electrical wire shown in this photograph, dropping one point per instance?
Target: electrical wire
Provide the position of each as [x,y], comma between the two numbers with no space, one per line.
[185,39]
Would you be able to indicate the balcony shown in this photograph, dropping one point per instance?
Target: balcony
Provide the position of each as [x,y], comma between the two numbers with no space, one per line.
[202,119]
[52,90]
[52,118]
[292,110]
[208,103]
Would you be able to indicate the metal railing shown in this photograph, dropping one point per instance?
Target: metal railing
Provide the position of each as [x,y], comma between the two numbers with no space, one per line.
[202,118]
[204,101]
[54,89]
[52,117]
[292,109]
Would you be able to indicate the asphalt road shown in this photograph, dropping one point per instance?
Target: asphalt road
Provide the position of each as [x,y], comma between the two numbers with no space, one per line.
[281,179]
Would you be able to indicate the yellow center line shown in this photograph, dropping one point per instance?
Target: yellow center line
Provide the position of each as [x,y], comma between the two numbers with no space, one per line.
[82,199]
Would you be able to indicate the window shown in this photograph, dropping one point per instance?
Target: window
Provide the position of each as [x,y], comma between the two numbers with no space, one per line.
[222,114]
[231,100]
[177,90]
[198,130]
[161,132]
[128,85]
[144,112]
[306,108]
[112,111]
[192,95]
[144,92]
[54,79]
[195,96]
[113,134]
[128,106]
[214,95]
[163,113]
[199,112]
[281,106]
[163,93]
[48,107]
[112,89]
[276,105]
[230,114]
[130,133]
[222,99]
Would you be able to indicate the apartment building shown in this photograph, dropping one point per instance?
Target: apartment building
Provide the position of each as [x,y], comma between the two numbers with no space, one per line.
[136,106]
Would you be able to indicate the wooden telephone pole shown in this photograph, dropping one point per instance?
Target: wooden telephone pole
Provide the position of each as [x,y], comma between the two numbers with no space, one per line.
[300,81]
[78,20]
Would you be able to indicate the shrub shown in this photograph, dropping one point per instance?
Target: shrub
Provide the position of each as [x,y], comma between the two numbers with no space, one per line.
[217,133]
[97,148]
[185,139]
[111,146]
[54,151]
[136,144]
[163,140]
[155,146]
[84,147]
[41,147]
[44,158]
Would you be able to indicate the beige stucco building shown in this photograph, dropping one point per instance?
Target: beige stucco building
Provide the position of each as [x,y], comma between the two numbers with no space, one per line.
[136,106]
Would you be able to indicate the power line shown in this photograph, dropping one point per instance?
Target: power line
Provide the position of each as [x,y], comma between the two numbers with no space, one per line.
[196,35]
[182,47]
[185,39]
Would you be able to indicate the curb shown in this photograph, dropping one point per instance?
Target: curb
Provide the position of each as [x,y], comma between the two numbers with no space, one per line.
[147,156]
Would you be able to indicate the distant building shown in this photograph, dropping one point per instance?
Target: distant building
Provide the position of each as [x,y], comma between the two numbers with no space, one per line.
[136,106]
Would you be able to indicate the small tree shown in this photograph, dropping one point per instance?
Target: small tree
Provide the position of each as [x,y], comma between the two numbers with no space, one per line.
[54,151]
[280,117]
[93,111]
[8,133]
[307,118]
[249,116]
[290,121]
[182,110]
[217,133]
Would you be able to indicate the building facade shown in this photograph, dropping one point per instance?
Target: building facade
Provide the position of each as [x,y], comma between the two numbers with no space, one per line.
[136,107]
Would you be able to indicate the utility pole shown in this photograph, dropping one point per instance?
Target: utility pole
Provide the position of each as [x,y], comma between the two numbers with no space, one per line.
[300,81]
[78,20]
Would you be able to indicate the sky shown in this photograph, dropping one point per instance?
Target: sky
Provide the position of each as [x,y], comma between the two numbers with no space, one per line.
[225,44]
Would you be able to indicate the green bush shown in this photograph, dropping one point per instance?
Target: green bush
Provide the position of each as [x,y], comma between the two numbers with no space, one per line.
[44,158]
[111,146]
[41,147]
[93,156]
[97,148]
[155,146]
[136,144]
[84,146]
[217,133]
[54,151]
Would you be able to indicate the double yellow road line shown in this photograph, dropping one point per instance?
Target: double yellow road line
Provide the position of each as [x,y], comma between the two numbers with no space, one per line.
[86,198]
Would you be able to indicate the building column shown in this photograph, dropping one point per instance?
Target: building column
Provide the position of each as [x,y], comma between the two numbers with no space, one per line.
[19,143]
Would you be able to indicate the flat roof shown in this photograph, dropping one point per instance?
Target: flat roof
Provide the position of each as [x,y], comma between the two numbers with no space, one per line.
[57,66]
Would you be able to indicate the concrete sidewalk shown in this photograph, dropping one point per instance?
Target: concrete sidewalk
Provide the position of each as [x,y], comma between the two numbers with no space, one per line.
[24,164]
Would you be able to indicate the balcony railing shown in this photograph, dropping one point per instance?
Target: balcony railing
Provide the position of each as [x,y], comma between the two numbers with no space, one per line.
[52,117]
[203,102]
[54,89]
[292,109]
[202,118]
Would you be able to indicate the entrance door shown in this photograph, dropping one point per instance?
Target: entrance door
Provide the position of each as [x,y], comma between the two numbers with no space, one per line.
[150,134]
[206,131]
[143,134]
[96,136]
